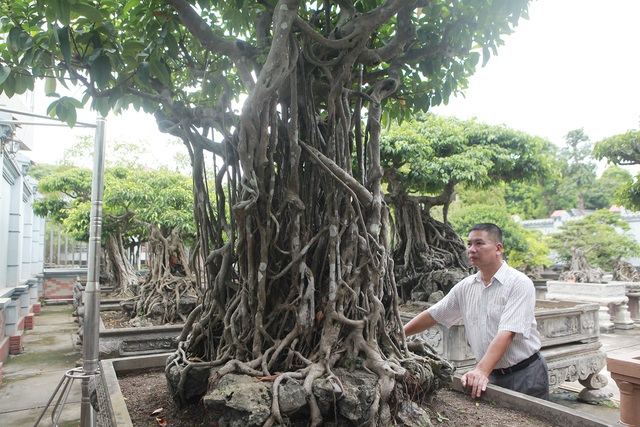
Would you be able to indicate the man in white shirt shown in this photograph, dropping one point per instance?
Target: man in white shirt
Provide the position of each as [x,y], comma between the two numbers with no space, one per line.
[497,307]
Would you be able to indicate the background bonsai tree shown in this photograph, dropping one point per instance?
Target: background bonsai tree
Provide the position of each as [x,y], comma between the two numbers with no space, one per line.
[425,161]
[139,207]
[289,96]
[593,242]
[623,150]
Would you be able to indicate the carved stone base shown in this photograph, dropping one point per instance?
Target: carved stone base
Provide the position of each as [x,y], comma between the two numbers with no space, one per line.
[622,318]
[580,362]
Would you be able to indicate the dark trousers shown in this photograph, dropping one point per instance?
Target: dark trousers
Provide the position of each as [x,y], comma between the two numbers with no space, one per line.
[532,380]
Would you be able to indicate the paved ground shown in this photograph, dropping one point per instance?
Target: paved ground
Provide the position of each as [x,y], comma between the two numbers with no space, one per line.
[620,343]
[30,379]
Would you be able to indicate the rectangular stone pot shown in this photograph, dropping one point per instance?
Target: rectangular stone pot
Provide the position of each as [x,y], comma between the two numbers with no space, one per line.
[559,322]
[569,333]
[115,411]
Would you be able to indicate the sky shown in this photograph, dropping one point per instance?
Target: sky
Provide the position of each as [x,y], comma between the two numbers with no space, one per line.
[573,64]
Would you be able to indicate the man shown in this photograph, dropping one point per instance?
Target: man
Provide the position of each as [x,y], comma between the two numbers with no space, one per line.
[497,308]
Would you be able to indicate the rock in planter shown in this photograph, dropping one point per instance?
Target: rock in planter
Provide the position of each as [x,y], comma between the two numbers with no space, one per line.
[327,391]
[187,304]
[344,398]
[412,415]
[291,397]
[359,391]
[240,400]
[195,386]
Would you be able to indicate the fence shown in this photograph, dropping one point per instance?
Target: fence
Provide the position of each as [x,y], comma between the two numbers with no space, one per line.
[63,251]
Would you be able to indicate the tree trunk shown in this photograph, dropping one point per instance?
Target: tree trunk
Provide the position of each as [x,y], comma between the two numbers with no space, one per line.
[124,277]
[168,292]
[429,256]
[295,251]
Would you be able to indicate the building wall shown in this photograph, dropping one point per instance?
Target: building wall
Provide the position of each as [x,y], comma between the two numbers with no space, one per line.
[21,231]
[22,236]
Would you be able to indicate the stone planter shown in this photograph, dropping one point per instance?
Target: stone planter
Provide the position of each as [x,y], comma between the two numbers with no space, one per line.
[126,342]
[569,334]
[612,298]
[114,410]
[626,373]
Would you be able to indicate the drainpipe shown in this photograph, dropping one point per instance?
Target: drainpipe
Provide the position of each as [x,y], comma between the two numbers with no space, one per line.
[90,340]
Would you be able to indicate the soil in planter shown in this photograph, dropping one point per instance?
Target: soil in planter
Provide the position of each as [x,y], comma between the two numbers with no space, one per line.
[115,319]
[146,392]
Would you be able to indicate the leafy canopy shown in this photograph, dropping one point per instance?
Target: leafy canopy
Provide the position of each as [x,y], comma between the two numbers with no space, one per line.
[144,54]
[431,153]
[133,200]
[623,150]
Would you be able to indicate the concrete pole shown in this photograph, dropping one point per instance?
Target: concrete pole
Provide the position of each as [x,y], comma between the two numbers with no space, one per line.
[59,245]
[90,339]
[51,227]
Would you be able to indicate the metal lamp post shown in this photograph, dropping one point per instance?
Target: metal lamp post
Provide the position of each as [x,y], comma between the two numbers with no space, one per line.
[91,324]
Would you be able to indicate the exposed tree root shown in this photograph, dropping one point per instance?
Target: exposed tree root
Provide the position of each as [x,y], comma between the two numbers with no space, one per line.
[580,270]
[166,293]
[292,249]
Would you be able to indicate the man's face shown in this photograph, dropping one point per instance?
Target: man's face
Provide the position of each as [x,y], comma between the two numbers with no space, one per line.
[482,250]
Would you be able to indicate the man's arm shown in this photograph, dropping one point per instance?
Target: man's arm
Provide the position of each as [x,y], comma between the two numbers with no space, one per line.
[419,323]
[478,378]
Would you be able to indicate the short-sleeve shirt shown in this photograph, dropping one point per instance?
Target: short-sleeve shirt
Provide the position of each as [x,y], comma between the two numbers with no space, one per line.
[506,304]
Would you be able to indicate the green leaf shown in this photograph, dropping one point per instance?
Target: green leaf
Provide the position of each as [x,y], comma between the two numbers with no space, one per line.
[4,73]
[172,46]
[50,84]
[23,84]
[87,11]
[62,36]
[14,38]
[101,71]
[72,116]
[159,69]
[63,11]
[130,5]
[486,54]
[142,73]
[102,105]
[9,86]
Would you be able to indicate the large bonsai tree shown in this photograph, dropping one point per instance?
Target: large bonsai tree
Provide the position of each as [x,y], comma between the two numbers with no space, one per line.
[597,240]
[289,98]
[623,150]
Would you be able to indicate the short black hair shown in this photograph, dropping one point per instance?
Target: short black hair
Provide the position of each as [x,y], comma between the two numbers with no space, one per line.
[490,228]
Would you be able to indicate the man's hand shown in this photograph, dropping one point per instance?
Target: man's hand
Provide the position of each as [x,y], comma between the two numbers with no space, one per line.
[477,380]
